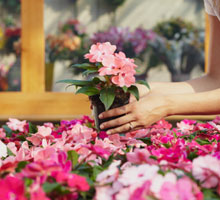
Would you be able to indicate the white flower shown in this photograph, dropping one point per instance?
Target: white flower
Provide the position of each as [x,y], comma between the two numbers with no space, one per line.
[3,149]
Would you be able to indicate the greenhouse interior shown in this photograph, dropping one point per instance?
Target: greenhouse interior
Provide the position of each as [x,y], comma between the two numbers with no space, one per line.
[109,100]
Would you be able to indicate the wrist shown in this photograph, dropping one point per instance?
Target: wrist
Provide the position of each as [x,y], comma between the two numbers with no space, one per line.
[171,105]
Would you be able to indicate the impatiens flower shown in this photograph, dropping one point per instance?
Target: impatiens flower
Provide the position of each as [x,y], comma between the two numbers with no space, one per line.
[183,189]
[2,133]
[142,192]
[206,169]
[78,182]
[109,175]
[124,79]
[12,188]
[37,192]
[3,149]
[140,156]
[16,125]
[99,50]
[139,174]
[100,151]
[44,131]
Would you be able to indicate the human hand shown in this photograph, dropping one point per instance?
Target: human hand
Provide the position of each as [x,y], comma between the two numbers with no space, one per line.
[137,114]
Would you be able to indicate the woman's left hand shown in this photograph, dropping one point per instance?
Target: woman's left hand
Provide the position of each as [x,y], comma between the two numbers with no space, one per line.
[137,114]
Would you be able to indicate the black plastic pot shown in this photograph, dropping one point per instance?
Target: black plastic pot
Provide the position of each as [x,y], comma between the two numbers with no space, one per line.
[98,107]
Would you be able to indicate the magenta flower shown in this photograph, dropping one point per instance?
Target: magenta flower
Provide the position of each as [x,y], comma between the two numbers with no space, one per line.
[37,192]
[12,188]
[78,182]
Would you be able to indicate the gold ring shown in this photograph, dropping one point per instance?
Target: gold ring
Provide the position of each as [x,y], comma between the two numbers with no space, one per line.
[130,126]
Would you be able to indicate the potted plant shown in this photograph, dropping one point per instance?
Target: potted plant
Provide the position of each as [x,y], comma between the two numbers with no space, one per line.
[112,82]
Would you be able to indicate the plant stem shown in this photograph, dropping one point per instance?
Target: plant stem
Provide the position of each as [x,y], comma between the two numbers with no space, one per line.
[107,80]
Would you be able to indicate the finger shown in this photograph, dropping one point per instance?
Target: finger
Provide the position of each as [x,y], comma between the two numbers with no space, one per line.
[117,122]
[132,98]
[122,129]
[115,112]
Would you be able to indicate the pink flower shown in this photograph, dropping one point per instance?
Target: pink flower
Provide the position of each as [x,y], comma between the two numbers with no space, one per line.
[16,125]
[44,154]
[140,156]
[2,133]
[206,169]
[99,50]
[109,175]
[184,189]
[44,131]
[78,182]
[12,188]
[142,192]
[100,151]
[124,79]
[37,192]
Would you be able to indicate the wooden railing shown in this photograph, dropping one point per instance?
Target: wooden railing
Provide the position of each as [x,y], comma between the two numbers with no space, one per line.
[33,102]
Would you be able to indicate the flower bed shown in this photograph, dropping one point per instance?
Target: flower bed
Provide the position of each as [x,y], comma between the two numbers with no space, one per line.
[72,161]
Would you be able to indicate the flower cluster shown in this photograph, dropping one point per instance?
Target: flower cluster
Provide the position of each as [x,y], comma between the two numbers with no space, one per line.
[68,43]
[118,65]
[10,39]
[72,161]
[111,73]
[132,43]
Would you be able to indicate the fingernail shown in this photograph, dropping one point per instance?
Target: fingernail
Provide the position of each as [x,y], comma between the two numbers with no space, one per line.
[108,132]
[102,126]
[100,116]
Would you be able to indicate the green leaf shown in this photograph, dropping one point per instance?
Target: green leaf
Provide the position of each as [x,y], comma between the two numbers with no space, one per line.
[153,157]
[32,128]
[142,82]
[90,91]
[28,182]
[192,155]
[21,165]
[73,156]
[76,82]
[49,187]
[202,142]
[84,66]
[134,90]
[210,194]
[146,140]
[9,152]
[96,170]
[96,80]
[8,131]
[107,97]
[89,71]
[109,161]
[125,89]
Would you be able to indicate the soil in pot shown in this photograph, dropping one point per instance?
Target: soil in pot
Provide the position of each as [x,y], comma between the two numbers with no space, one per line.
[121,99]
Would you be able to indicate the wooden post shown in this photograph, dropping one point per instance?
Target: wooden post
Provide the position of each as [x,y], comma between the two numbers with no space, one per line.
[207,35]
[33,73]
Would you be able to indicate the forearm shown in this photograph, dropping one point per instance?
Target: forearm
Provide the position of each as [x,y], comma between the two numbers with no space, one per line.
[203,84]
[195,103]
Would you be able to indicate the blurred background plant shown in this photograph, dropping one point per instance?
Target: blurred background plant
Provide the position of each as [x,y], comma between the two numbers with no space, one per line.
[11,5]
[68,44]
[179,45]
[10,45]
[115,3]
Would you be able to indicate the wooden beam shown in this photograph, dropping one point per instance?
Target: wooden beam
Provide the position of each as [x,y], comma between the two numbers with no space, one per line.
[207,35]
[32,73]
[46,105]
